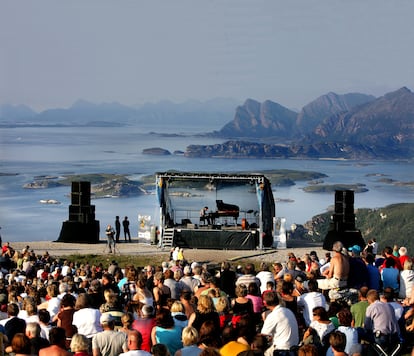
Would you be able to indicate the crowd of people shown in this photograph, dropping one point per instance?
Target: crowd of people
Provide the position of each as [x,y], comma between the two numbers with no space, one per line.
[348,302]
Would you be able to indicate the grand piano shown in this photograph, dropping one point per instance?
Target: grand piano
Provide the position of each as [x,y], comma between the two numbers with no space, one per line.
[225,210]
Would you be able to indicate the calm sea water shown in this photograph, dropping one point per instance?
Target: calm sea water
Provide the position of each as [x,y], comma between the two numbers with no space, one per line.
[56,151]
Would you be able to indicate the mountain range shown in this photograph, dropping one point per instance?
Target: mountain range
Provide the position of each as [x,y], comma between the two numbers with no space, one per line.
[352,125]
[83,113]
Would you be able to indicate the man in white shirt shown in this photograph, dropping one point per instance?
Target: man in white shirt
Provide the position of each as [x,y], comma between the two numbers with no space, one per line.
[310,300]
[281,326]
[265,276]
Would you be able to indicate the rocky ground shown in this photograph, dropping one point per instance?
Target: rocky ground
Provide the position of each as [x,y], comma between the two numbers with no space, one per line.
[208,256]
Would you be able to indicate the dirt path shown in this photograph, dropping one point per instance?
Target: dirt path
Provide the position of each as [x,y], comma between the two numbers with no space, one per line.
[199,255]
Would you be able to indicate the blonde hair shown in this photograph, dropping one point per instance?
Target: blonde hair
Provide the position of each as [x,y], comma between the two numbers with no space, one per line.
[408,264]
[79,343]
[222,305]
[205,304]
[177,307]
[159,276]
[189,336]
[127,319]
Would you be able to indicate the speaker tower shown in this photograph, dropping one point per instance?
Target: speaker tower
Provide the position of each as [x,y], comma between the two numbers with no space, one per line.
[342,227]
[81,226]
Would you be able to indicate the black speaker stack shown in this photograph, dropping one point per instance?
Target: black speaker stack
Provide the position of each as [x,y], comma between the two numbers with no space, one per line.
[81,209]
[81,226]
[342,227]
[344,217]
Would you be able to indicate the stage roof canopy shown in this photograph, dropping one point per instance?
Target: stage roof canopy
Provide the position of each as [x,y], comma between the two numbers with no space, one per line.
[243,178]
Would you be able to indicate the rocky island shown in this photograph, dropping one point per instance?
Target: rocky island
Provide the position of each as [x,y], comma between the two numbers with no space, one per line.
[157,151]
[118,185]
[330,188]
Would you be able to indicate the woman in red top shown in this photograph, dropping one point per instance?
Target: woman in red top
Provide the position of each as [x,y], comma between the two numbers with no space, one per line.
[144,325]
[65,317]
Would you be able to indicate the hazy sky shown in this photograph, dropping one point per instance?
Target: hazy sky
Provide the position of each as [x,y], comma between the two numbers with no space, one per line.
[55,52]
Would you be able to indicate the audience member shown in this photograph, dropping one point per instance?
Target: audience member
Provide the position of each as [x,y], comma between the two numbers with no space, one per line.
[280,325]
[57,346]
[79,345]
[108,342]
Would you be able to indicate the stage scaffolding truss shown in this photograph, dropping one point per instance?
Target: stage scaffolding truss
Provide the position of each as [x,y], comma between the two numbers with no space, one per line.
[257,213]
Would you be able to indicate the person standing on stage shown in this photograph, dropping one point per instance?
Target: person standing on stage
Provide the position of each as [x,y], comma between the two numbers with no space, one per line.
[117,228]
[110,232]
[125,224]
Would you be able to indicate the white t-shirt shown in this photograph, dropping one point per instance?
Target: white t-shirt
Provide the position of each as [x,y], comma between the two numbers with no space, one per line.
[87,321]
[308,301]
[281,324]
[136,353]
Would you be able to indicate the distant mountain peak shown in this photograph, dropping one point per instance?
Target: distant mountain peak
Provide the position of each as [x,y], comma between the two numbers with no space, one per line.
[398,93]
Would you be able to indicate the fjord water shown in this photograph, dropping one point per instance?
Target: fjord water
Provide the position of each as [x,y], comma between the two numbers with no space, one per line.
[31,152]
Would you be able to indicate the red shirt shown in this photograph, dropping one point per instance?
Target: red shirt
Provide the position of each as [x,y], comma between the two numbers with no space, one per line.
[144,326]
[397,262]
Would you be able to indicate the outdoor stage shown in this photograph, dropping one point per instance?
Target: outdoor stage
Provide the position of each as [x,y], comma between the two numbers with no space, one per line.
[241,211]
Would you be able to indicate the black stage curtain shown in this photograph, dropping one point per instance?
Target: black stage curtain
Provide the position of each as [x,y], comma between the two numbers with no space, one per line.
[215,239]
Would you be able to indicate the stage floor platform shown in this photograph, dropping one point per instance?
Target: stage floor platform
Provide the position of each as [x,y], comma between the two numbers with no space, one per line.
[210,238]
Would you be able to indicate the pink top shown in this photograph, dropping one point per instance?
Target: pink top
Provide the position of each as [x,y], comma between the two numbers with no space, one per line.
[257,303]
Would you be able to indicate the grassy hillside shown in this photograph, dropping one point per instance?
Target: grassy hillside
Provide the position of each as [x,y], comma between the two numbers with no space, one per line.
[393,224]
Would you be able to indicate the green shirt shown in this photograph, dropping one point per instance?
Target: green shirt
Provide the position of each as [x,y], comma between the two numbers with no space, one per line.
[358,313]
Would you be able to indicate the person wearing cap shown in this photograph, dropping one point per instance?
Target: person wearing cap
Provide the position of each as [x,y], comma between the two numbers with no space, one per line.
[188,280]
[338,272]
[108,342]
[358,272]
[299,285]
